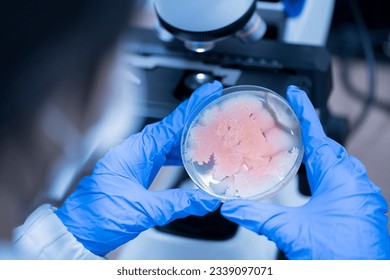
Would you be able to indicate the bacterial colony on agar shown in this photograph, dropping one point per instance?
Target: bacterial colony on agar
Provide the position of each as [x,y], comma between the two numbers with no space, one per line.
[243,146]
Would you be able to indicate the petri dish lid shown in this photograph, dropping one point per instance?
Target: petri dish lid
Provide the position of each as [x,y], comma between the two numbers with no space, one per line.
[246,144]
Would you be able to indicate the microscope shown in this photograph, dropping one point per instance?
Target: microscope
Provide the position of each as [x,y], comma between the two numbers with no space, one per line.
[268,43]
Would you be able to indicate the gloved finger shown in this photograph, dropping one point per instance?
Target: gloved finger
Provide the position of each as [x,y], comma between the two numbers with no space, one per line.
[198,100]
[142,155]
[267,219]
[321,152]
[358,170]
[166,134]
[173,204]
[312,132]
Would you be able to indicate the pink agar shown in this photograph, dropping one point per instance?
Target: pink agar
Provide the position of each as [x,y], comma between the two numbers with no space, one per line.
[246,152]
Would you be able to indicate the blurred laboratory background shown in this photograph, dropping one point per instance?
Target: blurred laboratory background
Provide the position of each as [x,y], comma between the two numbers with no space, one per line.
[359,41]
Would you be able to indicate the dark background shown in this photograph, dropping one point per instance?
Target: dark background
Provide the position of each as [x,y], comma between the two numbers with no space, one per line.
[344,38]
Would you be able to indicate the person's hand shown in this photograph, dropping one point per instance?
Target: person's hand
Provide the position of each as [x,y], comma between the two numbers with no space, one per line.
[345,217]
[113,205]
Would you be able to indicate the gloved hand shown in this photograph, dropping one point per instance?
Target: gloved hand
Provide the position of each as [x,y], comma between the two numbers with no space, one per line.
[113,205]
[345,217]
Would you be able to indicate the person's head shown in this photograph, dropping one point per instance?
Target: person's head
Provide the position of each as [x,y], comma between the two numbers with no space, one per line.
[51,52]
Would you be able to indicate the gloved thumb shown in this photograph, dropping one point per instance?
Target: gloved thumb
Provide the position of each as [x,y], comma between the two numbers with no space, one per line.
[268,219]
[169,205]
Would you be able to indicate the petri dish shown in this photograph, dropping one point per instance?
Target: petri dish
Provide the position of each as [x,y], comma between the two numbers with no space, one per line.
[245,144]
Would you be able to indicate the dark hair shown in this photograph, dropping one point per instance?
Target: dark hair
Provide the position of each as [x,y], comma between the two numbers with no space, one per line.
[44,42]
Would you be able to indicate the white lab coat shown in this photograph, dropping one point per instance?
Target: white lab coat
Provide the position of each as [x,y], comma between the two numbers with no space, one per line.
[44,236]
[7,252]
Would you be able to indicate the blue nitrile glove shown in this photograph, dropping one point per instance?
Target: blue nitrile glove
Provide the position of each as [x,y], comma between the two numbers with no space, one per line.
[113,205]
[345,217]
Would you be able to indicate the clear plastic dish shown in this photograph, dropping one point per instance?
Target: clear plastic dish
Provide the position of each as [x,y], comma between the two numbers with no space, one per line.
[245,144]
